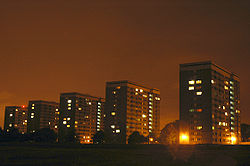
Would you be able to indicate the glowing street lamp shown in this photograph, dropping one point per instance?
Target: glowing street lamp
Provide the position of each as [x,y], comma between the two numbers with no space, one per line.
[233,140]
[184,138]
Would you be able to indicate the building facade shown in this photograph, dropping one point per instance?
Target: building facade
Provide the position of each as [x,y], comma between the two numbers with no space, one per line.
[131,107]
[81,116]
[210,103]
[42,114]
[16,117]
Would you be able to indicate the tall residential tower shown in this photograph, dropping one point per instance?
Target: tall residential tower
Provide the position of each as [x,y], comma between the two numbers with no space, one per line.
[131,107]
[210,103]
[42,114]
[81,116]
[16,117]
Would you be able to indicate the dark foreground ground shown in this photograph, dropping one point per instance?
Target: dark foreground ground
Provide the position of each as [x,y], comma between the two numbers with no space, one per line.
[16,154]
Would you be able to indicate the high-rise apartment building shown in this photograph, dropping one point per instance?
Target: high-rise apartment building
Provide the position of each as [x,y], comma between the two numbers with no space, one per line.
[131,107]
[80,115]
[42,114]
[16,117]
[210,103]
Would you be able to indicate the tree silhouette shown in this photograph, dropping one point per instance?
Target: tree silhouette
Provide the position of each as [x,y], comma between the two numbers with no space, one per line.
[99,138]
[45,135]
[136,138]
[169,134]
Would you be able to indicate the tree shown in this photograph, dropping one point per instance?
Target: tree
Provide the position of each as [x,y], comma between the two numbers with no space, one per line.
[45,135]
[99,138]
[169,134]
[136,138]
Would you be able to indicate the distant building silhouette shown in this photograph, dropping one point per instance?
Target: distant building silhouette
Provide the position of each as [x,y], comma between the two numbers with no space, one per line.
[210,103]
[42,114]
[81,115]
[131,107]
[16,117]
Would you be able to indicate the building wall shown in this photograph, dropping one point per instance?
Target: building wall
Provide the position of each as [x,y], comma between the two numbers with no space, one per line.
[42,114]
[205,103]
[16,117]
[131,107]
[80,115]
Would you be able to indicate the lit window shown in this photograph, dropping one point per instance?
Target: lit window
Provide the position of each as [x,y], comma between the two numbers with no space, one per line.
[145,96]
[232,117]
[31,117]
[150,115]
[136,93]
[69,101]
[219,123]
[89,103]
[10,125]
[226,87]
[223,107]
[55,127]
[16,109]
[144,116]
[198,93]
[33,104]
[141,90]
[150,119]
[56,109]
[114,92]
[99,103]
[69,104]
[212,127]
[136,90]
[25,120]
[79,109]
[69,108]
[32,107]
[191,88]
[191,82]
[98,129]
[23,113]
[150,95]
[199,110]
[198,81]
[232,113]
[113,113]
[150,127]
[68,118]
[191,110]
[199,127]
[150,123]
[112,126]
[76,122]
[118,87]
[212,81]
[32,113]
[11,115]
[64,122]
[226,113]
[68,126]
[118,131]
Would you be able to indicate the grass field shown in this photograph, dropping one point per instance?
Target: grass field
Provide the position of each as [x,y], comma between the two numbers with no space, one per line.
[17,154]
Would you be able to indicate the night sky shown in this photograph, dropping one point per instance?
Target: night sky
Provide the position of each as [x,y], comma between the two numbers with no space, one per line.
[62,46]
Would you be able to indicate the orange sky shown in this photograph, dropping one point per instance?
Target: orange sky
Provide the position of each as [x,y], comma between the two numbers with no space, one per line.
[51,47]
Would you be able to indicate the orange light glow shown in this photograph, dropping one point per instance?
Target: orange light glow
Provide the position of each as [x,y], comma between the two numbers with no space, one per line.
[184,138]
[23,106]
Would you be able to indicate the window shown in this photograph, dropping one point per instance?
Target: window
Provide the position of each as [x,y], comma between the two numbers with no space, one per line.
[191,88]
[198,81]
[191,82]
[11,115]
[64,122]
[212,81]
[112,126]
[68,126]
[199,110]
[118,131]
[198,93]
[199,127]
[113,113]
[69,101]
[144,116]
[191,110]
